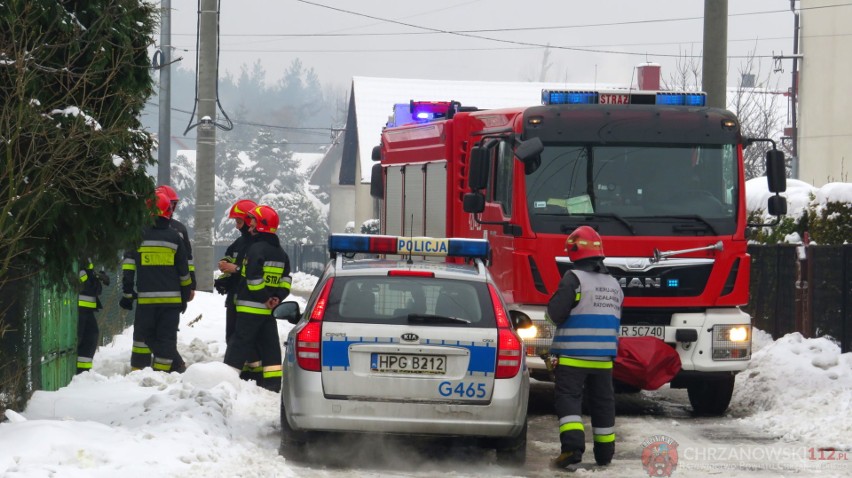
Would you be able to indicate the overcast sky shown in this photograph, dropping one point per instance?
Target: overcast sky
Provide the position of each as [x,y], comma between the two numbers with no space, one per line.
[601,40]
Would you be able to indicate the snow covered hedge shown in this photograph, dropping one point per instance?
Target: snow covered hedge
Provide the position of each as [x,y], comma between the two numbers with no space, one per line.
[825,213]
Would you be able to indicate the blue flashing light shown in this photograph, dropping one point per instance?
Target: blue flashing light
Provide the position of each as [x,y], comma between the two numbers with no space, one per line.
[468,248]
[681,99]
[673,282]
[425,115]
[696,99]
[670,99]
[561,97]
[418,246]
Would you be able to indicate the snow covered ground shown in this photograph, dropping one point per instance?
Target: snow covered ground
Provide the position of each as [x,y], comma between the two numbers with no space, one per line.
[795,399]
[113,422]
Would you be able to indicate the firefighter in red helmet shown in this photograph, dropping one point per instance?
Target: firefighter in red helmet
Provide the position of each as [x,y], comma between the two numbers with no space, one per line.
[159,270]
[181,229]
[586,309]
[229,281]
[264,282]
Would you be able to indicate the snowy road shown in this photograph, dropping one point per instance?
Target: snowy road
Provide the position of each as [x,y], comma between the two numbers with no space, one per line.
[706,446]
[795,397]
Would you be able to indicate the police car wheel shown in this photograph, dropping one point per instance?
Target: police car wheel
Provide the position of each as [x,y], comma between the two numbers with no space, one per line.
[513,451]
[293,443]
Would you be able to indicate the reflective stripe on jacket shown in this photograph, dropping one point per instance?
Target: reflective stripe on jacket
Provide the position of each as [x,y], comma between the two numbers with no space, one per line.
[591,330]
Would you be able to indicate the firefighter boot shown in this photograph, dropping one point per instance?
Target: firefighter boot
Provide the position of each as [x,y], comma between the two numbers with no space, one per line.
[567,458]
[604,453]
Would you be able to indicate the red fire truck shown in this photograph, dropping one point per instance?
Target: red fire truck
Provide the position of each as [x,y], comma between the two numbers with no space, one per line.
[658,174]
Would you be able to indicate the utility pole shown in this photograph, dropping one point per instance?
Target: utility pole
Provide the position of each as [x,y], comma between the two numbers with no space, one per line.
[714,68]
[164,148]
[794,93]
[206,143]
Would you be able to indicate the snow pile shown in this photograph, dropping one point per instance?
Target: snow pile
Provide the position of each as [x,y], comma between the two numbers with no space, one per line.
[799,389]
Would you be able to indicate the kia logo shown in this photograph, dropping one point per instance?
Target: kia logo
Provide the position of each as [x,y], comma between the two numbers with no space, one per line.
[409,337]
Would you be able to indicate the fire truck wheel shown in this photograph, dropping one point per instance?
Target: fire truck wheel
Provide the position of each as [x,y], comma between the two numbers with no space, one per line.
[711,397]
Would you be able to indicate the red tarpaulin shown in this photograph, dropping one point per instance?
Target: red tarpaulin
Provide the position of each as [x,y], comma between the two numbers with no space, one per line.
[645,362]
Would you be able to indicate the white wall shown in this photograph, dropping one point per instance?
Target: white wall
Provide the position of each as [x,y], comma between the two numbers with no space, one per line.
[825,93]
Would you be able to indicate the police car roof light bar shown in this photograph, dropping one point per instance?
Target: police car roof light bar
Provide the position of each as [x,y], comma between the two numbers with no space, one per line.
[418,246]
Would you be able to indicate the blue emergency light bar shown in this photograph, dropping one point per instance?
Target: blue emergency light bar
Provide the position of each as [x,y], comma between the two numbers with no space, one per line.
[662,98]
[417,246]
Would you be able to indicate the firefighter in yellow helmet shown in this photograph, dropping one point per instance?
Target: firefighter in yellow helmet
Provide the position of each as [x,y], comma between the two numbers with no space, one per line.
[586,309]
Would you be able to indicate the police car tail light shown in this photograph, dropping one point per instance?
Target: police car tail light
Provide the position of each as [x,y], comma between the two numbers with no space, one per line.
[509,345]
[308,339]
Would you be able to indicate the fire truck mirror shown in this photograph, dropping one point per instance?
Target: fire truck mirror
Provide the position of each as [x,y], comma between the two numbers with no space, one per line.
[377,189]
[776,171]
[474,203]
[777,205]
[478,177]
[529,149]
[529,152]
[377,153]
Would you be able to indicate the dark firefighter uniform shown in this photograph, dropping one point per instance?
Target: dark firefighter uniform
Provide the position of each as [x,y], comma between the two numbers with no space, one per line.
[229,284]
[586,309]
[161,272]
[181,230]
[265,273]
[88,303]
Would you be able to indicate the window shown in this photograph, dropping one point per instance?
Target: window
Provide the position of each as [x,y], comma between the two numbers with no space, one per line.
[503,167]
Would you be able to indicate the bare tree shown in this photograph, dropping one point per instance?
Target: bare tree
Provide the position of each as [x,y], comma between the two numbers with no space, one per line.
[756,101]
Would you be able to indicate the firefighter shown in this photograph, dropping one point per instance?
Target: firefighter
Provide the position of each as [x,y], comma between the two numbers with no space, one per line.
[229,281]
[586,309]
[181,229]
[88,302]
[159,269]
[264,282]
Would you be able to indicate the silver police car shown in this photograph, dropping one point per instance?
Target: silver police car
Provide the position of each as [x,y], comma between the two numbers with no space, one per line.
[407,344]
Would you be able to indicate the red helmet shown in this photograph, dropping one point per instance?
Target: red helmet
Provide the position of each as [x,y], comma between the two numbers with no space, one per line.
[170,192]
[584,243]
[266,217]
[160,205]
[241,208]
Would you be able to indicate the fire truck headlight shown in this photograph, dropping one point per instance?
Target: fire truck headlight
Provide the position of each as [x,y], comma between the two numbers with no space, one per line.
[738,334]
[731,342]
[528,332]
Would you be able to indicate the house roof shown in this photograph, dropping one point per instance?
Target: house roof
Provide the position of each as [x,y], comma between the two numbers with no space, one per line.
[375,98]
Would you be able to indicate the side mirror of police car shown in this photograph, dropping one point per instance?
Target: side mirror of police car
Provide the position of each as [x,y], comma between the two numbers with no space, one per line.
[288,311]
[520,320]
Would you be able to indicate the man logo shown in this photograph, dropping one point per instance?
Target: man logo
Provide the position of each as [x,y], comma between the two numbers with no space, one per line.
[409,337]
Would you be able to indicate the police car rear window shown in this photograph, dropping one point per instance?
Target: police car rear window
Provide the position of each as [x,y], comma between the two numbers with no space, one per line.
[392,300]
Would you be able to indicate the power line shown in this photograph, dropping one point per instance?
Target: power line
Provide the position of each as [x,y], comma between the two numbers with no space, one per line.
[304,130]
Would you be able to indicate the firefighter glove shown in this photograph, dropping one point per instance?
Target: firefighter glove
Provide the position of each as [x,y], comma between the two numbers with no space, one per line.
[103,277]
[126,301]
[221,284]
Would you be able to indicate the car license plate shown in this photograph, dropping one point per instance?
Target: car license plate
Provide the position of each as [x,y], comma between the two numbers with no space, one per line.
[658,331]
[405,363]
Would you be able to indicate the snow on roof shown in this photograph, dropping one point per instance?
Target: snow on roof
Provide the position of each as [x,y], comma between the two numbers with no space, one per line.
[375,98]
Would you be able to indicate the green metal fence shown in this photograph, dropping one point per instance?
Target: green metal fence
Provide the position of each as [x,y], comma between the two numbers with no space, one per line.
[38,335]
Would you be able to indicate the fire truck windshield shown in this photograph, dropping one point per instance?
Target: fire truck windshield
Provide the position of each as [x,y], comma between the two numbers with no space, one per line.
[635,189]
